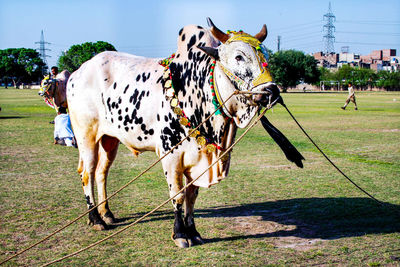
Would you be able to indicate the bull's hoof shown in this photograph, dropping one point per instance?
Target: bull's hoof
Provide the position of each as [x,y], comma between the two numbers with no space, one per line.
[108,218]
[97,226]
[195,240]
[180,242]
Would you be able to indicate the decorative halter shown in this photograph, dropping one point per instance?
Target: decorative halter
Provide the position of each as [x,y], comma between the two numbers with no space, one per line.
[44,87]
[262,57]
[172,97]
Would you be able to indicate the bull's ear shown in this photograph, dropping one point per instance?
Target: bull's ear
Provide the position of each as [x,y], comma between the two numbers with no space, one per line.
[210,51]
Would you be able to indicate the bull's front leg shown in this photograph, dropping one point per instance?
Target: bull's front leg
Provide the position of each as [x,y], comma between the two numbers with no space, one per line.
[86,169]
[193,236]
[175,184]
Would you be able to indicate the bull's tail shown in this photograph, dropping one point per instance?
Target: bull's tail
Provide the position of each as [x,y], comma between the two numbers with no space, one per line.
[290,151]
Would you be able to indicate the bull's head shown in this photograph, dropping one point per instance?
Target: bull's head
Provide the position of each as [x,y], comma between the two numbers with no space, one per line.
[244,60]
[48,87]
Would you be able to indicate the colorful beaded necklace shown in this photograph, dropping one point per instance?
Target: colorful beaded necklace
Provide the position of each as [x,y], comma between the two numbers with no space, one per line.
[171,96]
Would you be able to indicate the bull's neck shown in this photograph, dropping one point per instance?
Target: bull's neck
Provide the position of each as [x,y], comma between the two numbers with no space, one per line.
[191,80]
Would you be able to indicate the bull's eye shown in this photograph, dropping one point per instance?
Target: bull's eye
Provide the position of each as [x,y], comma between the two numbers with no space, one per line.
[239,58]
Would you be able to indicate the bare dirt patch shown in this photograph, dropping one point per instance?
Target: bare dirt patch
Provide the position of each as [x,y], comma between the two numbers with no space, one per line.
[282,234]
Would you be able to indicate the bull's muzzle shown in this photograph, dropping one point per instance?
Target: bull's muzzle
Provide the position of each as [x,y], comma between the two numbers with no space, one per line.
[269,94]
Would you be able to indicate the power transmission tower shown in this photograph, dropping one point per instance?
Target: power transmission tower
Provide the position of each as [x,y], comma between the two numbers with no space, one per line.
[42,52]
[329,29]
[279,43]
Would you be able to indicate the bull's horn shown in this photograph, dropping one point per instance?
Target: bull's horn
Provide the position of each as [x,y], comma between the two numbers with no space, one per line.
[262,34]
[220,35]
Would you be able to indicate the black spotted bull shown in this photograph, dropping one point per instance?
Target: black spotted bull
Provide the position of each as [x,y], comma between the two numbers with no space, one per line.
[150,105]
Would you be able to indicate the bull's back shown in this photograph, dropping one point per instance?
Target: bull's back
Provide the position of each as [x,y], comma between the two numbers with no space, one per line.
[109,94]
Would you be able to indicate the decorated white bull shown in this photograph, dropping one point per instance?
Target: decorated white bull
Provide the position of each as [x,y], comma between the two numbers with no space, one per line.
[150,105]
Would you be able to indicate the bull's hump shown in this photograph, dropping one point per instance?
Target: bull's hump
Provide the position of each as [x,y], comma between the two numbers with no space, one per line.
[121,56]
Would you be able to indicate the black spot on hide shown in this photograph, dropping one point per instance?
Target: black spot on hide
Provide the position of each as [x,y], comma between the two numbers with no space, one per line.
[191,42]
[126,88]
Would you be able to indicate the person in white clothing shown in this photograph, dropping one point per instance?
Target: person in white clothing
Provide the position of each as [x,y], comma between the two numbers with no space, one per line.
[351,97]
[63,134]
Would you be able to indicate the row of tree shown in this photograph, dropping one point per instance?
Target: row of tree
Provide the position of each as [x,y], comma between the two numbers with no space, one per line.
[362,78]
[24,65]
[289,68]
[20,65]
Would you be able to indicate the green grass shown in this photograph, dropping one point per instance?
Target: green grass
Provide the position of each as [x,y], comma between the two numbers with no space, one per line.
[267,212]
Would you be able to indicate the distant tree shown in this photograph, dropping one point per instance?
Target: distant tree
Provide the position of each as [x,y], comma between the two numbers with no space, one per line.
[361,78]
[388,80]
[78,54]
[20,65]
[327,74]
[291,67]
[364,78]
[345,74]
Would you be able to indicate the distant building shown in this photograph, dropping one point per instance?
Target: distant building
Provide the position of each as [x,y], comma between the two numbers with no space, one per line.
[349,59]
[327,60]
[377,60]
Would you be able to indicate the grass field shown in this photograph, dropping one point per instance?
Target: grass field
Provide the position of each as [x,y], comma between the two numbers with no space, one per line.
[267,212]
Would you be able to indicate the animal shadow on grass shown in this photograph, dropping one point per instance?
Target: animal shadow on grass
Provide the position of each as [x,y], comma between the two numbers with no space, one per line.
[11,117]
[323,218]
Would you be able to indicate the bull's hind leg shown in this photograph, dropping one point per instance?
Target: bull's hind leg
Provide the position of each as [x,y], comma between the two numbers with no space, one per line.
[193,236]
[87,167]
[107,151]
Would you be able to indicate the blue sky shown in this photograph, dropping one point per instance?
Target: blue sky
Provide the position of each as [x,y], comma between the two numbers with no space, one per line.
[150,28]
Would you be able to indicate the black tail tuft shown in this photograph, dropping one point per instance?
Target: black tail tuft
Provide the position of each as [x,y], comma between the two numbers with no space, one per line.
[290,151]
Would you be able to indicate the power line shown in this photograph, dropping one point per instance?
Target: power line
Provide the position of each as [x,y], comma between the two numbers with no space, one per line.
[306,36]
[371,33]
[360,43]
[374,22]
[294,29]
[306,45]
[298,25]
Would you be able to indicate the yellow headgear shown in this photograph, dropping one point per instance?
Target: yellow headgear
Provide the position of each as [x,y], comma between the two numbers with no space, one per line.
[265,75]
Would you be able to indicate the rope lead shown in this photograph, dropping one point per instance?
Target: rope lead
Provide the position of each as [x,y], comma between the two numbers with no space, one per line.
[166,201]
[333,164]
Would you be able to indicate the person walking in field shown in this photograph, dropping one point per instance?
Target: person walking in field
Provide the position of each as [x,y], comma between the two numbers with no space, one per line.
[351,97]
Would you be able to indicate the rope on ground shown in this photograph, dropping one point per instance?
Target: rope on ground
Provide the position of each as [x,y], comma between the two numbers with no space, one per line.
[166,201]
[333,164]
[320,150]
[119,190]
